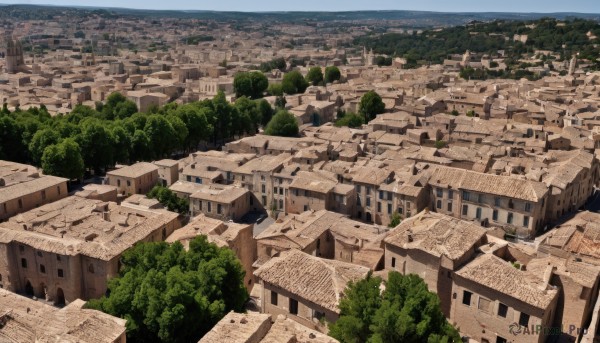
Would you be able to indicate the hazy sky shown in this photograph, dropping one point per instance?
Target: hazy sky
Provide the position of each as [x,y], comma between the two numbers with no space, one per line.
[585,6]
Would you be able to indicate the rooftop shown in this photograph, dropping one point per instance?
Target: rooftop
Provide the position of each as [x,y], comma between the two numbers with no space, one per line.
[493,272]
[315,279]
[134,170]
[28,320]
[75,225]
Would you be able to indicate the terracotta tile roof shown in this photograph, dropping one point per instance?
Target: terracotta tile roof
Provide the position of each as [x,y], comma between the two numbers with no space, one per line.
[317,280]
[493,272]
[32,321]
[436,234]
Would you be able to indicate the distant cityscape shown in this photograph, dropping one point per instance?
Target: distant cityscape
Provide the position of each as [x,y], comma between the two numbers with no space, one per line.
[300,177]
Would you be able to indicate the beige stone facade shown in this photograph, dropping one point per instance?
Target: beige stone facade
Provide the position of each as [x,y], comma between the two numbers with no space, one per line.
[138,178]
[70,248]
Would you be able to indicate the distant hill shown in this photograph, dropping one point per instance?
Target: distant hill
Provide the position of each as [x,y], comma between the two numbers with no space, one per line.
[415,18]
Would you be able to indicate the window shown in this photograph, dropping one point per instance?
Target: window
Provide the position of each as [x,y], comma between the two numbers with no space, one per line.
[381,195]
[39,253]
[466,195]
[58,189]
[58,257]
[42,269]
[438,204]
[305,208]
[480,198]
[495,215]
[449,207]
[280,204]
[526,221]
[393,262]
[24,263]
[280,190]
[128,183]
[496,201]
[400,210]
[264,200]
[198,180]
[60,273]
[439,192]
[219,208]
[465,210]
[209,206]
[306,193]
[119,183]
[511,204]
[91,269]
[389,208]
[263,188]
[509,218]
[527,207]
[379,206]
[293,306]
[478,213]
[467,298]
[368,189]
[502,310]
[273,298]
[389,196]
[501,339]
[20,203]
[524,319]
[368,201]
[450,194]
[274,190]
[318,315]
[357,188]
[43,195]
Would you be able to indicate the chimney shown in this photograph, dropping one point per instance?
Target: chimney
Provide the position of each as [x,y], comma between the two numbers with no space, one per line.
[547,277]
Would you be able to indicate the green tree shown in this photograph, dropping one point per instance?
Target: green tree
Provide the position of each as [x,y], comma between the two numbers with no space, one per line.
[250,117]
[250,84]
[395,220]
[122,144]
[97,145]
[282,124]
[406,311]
[42,139]
[161,135]
[370,105]
[140,146]
[275,89]
[63,159]
[440,144]
[12,147]
[294,83]
[169,199]
[350,120]
[168,294]
[332,74]
[314,76]
[265,111]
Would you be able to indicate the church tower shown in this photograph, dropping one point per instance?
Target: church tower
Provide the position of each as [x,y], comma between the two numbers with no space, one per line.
[14,56]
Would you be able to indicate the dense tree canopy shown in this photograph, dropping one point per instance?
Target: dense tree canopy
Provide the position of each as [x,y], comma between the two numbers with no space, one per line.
[314,76]
[63,159]
[371,105]
[350,120]
[332,74]
[282,124]
[250,84]
[105,136]
[169,199]
[167,294]
[293,83]
[404,312]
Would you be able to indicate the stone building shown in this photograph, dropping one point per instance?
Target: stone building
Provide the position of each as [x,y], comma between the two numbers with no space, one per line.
[168,171]
[323,234]
[137,178]
[237,237]
[493,301]
[22,188]
[433,246]
[262,328]
[304,287]
[518,205]
[26,320]
[14,56]
[221,201]
[70,248]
